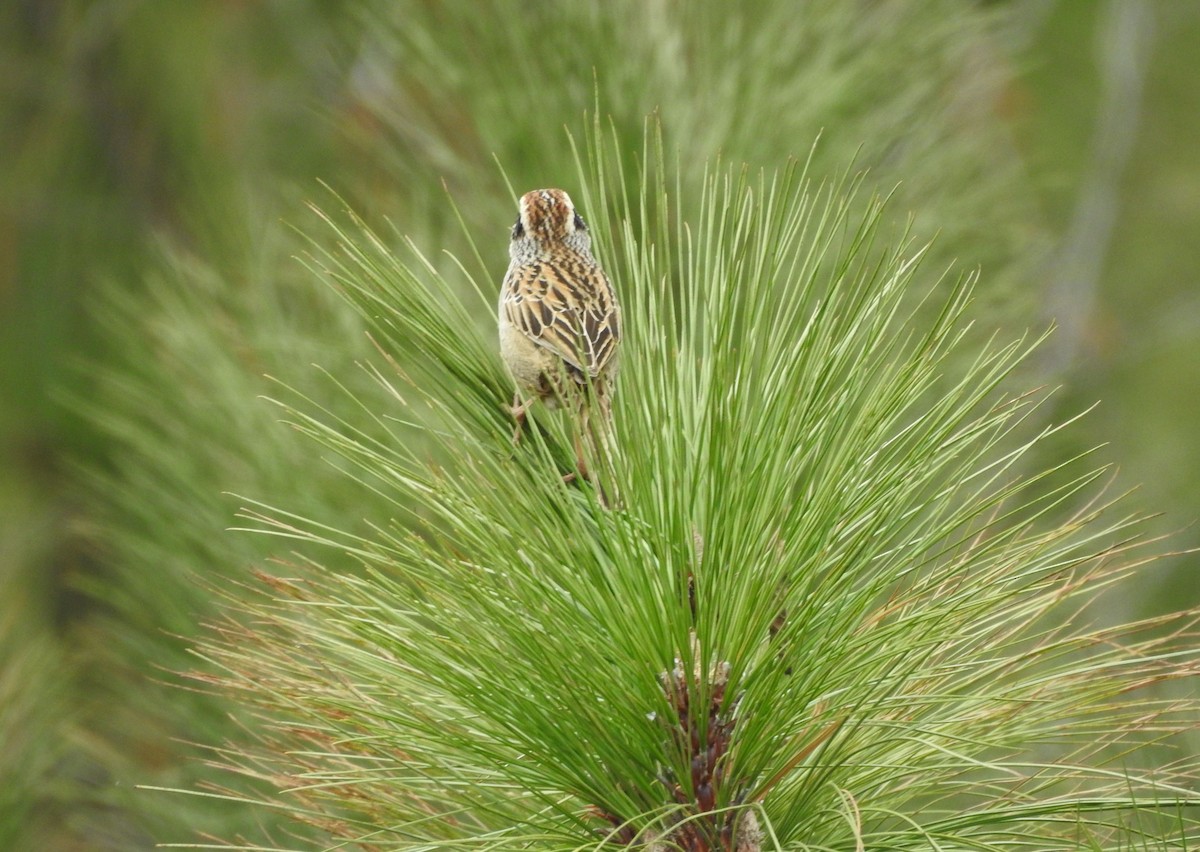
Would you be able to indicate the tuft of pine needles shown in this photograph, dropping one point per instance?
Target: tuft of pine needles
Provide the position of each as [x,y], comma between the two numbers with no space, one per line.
[389,101]
[833,609]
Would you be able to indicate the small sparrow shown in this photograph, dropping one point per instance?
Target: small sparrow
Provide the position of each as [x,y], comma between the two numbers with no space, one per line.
[559,321]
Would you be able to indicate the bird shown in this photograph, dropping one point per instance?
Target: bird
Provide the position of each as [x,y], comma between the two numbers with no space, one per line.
[559,321]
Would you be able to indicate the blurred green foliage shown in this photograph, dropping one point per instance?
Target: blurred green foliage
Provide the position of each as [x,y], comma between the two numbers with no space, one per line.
[149,150]
[1138,348]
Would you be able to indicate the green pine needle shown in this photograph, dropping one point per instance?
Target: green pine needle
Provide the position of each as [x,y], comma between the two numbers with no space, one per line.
[828,544]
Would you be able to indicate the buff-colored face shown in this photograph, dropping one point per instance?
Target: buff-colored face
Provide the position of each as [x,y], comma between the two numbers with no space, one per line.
[547,215]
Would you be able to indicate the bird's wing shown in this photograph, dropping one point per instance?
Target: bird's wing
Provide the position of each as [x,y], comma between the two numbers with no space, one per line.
[566,307]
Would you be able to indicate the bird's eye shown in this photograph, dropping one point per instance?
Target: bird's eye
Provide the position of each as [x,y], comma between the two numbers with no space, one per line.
[518,230]
[579,223]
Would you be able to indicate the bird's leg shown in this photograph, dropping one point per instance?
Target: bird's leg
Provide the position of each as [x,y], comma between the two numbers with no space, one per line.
[580,462]
[581,466]
[581,427]
[599,432]
[519,413]
[581,471]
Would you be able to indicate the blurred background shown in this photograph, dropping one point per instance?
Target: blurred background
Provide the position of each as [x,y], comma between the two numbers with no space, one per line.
[155,157]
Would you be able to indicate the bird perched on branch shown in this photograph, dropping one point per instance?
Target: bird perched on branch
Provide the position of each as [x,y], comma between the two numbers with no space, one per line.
[559,321]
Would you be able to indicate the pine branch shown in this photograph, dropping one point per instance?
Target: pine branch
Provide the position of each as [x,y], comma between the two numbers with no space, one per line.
[830,611]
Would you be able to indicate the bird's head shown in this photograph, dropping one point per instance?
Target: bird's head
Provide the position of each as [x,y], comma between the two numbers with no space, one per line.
[547,220]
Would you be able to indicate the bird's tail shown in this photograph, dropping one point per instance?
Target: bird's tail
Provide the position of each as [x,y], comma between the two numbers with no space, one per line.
[595,443]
